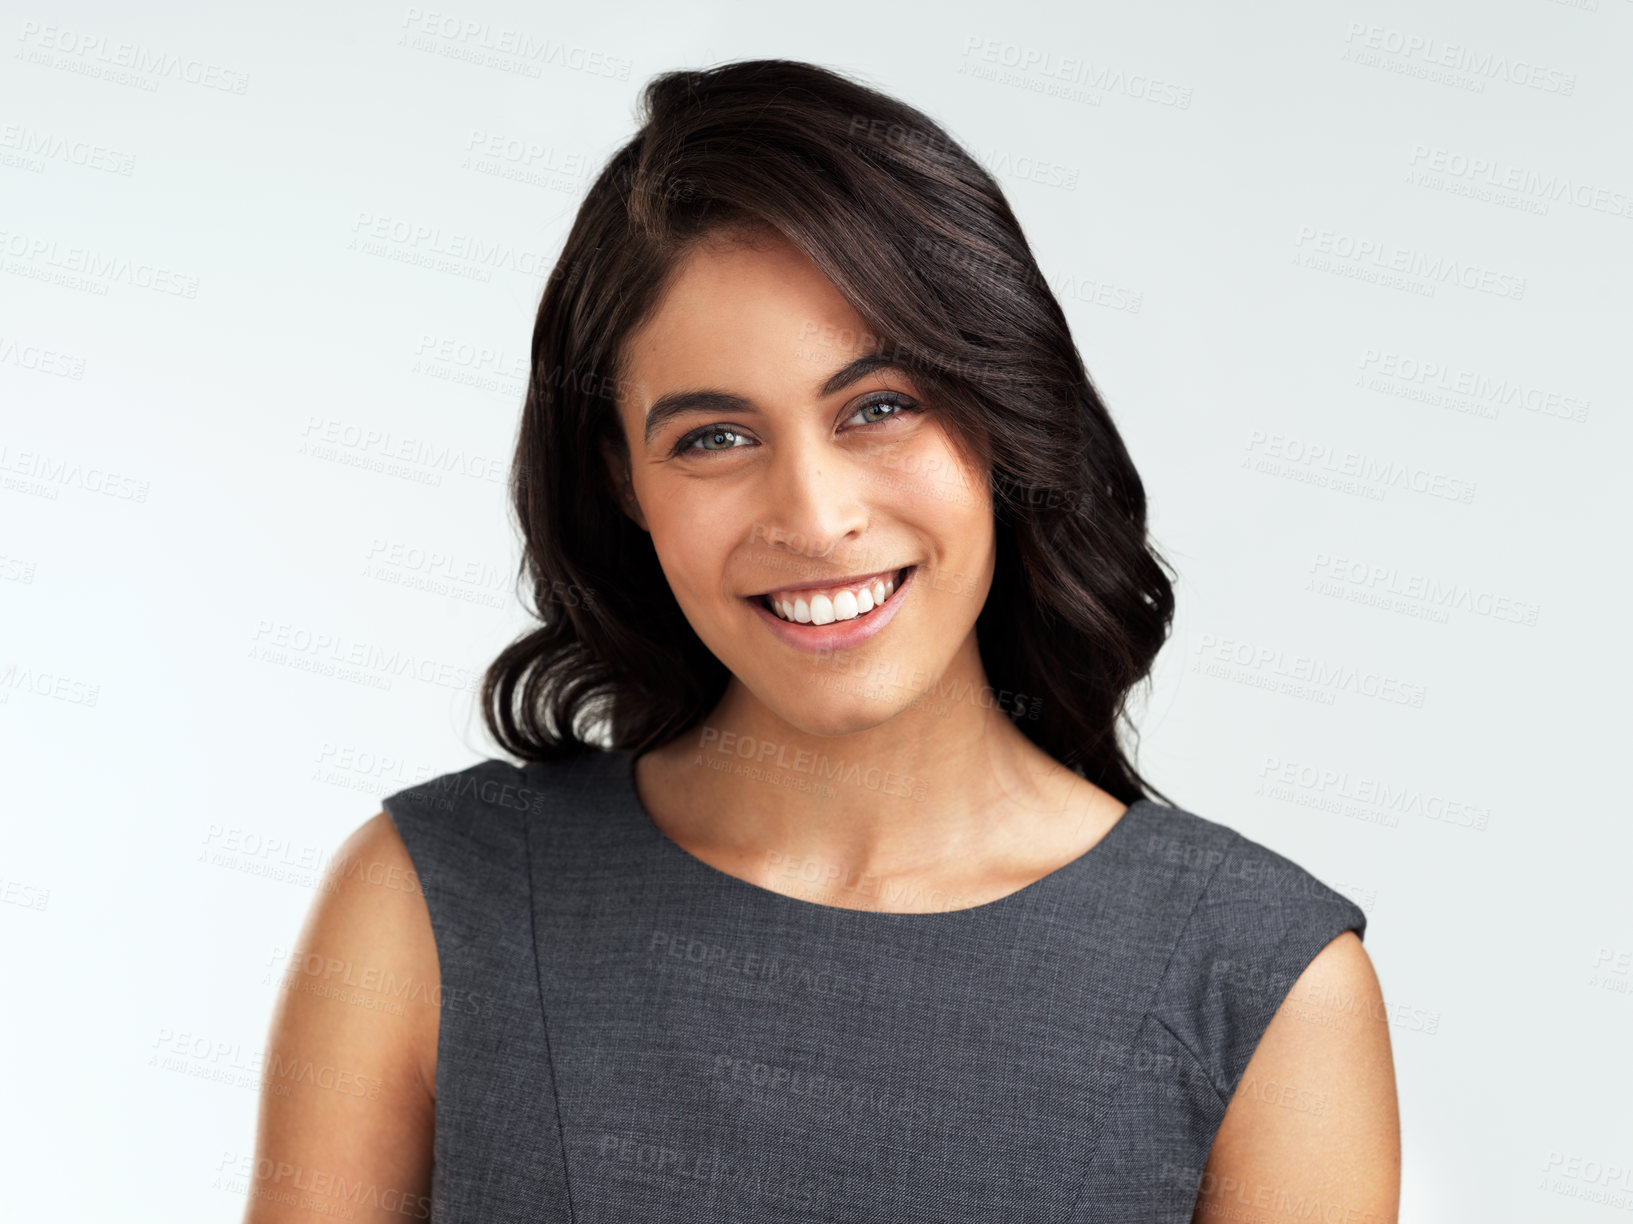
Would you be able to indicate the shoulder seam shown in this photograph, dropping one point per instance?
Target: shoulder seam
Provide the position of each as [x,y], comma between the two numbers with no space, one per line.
[1173,951]
[531,831]
[1195,1059]
[428,785]
[1151,1003]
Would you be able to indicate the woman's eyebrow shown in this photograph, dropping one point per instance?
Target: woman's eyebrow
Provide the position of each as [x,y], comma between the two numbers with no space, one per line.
[677,403]
[860,368]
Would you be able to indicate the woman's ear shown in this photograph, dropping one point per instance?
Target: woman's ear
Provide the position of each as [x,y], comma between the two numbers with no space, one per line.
[621,486]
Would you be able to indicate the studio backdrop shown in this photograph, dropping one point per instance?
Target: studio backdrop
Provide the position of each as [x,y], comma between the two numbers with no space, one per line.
[1352,279]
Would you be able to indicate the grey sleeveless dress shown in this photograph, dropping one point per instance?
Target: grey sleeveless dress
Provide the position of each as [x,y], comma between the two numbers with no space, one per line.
[630,1035]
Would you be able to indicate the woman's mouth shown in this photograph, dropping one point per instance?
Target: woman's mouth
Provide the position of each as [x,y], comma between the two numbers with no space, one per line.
[828,605]
[839,617]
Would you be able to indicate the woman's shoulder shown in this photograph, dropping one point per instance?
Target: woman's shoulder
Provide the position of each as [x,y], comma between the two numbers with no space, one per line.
[1254,921]
[495,791]
[469,834]
[1235,884]
[467,829]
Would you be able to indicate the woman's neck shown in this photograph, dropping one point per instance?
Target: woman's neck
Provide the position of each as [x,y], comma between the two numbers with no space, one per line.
[943,806]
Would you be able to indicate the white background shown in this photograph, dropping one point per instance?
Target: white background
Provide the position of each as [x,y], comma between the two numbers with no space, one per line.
[1413,683]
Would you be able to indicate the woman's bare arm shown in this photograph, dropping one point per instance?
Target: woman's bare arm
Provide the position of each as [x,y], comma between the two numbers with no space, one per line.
[347,1102]
[1313,1130]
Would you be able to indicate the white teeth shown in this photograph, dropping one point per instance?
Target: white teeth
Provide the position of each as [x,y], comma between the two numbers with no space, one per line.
[843,606]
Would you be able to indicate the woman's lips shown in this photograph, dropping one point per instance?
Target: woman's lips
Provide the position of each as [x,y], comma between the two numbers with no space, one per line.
[831,589]
[836,635]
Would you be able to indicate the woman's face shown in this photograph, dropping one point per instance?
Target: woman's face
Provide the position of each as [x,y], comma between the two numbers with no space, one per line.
[772,477]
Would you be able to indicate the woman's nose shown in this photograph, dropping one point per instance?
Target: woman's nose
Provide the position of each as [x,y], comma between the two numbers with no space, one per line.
[815,498]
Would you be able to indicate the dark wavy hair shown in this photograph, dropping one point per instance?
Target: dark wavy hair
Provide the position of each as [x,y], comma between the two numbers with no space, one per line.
[920,241]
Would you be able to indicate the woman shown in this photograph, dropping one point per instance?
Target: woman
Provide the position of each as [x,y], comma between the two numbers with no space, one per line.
[865,915]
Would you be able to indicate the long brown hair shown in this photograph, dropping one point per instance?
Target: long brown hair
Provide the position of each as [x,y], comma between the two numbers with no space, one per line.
[920,241]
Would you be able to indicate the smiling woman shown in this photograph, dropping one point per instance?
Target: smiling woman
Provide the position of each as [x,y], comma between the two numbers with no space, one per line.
[824,888]
[823,477]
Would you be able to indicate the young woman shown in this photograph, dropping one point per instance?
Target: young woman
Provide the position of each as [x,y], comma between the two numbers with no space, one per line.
[864,914]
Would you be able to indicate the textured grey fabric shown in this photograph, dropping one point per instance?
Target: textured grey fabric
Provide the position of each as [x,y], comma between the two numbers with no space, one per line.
[629,1034]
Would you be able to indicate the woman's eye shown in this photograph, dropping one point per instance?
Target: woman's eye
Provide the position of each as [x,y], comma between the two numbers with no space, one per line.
[709,434]
[898,404]
[716,438]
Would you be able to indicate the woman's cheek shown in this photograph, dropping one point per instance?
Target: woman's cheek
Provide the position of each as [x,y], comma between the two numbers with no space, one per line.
[941,475]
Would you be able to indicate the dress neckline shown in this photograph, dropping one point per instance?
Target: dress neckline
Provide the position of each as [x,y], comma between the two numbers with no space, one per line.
[622,761]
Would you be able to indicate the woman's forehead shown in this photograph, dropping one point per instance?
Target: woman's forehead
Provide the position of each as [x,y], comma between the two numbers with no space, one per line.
[753,313]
